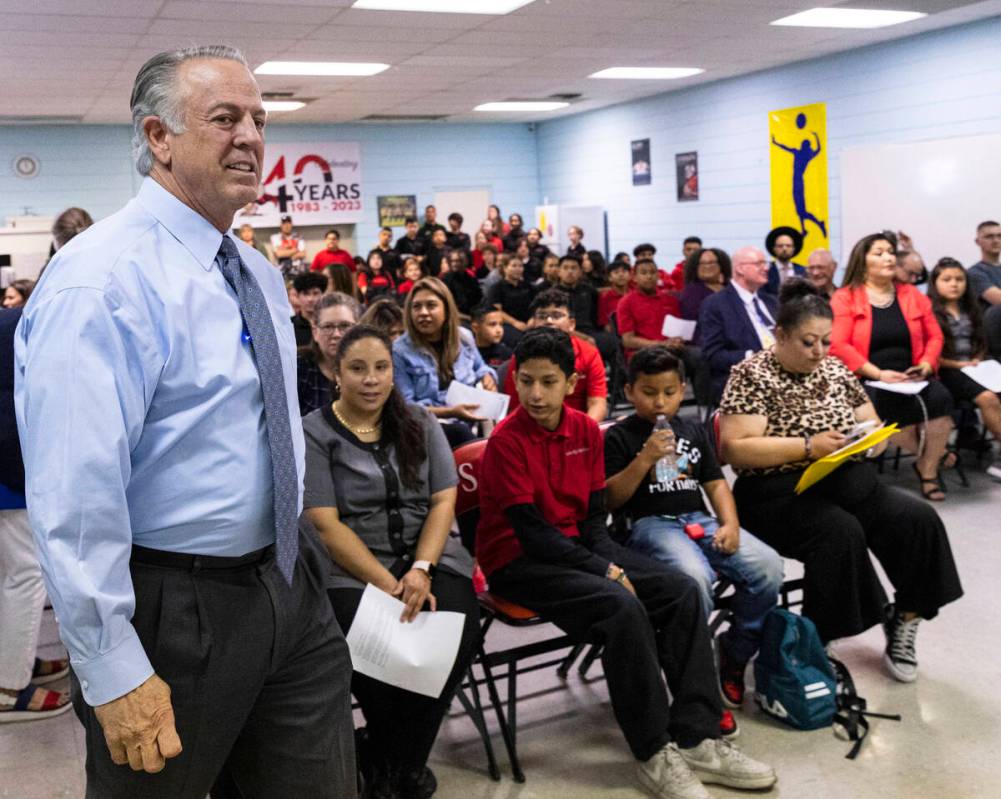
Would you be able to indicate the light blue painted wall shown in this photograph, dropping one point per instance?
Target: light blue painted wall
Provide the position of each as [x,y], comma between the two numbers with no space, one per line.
[938,85]
[934,86]
[90,165]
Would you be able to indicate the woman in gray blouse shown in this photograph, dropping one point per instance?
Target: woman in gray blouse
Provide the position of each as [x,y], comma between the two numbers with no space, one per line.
[380,489]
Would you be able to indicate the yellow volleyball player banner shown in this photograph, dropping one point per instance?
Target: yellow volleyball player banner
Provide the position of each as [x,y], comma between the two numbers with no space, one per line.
[799,172]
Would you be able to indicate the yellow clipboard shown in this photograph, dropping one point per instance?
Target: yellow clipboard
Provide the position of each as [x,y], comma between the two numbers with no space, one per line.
[819,469]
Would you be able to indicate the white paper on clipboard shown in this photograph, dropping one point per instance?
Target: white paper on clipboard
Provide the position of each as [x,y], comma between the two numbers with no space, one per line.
[675,327]
[493,404]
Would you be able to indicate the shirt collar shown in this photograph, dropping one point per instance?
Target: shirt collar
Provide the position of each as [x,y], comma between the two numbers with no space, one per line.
[745,295]
[191,229]
[537,432]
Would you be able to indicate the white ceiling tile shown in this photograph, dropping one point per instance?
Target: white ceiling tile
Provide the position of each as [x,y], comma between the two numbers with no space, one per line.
[47,22]
[65,54]
[409,19]
[278,16]
[335,32]
[74,8]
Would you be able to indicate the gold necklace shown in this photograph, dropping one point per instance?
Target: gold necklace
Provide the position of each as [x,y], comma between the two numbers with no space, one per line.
[358,431]
[883,301]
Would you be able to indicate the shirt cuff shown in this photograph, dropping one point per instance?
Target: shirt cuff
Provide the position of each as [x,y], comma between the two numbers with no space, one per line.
[115,673]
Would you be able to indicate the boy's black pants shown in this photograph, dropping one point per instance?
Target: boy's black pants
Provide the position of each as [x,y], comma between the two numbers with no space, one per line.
[661,628]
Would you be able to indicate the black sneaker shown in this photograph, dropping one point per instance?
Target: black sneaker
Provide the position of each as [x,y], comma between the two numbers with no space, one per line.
[900,657]
[418,784]
[731,678]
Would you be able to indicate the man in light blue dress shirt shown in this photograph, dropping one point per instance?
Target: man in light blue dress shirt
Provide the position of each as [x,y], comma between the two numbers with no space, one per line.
[143,407]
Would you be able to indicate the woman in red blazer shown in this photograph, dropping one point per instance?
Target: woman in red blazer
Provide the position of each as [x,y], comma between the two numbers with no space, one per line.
[887,331]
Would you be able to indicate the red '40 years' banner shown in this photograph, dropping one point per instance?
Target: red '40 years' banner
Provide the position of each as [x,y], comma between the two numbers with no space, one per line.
[316,184]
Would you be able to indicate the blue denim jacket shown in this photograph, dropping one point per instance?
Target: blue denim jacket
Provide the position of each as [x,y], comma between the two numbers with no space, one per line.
[416,374]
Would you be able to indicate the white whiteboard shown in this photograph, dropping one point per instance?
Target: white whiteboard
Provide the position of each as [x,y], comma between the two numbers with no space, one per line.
[471,203]
[935,191]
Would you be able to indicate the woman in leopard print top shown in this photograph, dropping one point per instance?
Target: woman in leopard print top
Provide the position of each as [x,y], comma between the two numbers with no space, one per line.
[789,406]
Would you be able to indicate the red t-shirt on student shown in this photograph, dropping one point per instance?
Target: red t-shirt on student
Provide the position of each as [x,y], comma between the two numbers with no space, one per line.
[608,302]
[525,463]
[643,314]
[678,275]
[325,258]
[587,364]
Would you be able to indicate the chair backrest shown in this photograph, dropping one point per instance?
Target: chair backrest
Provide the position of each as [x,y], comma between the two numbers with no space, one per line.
[467,503]
[714,436]
[502,370]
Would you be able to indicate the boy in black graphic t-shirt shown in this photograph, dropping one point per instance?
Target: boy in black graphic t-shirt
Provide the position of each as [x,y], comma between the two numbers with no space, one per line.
[669,519]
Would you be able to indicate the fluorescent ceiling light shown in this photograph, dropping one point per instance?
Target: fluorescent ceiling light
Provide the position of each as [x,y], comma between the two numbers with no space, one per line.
[848,18]
[320,68]
[522,105]
[444,6]
[277,106]
[647,73]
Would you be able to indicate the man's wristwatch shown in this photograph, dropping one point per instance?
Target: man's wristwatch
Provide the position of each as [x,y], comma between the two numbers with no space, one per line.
[425,566]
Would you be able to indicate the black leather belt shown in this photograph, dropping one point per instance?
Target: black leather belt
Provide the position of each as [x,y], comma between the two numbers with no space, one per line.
[186,562]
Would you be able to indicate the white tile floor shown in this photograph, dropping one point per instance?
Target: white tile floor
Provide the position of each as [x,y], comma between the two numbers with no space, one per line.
[945,748]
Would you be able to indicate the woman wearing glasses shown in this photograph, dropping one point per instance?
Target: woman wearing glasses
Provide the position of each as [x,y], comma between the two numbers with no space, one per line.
[335,314]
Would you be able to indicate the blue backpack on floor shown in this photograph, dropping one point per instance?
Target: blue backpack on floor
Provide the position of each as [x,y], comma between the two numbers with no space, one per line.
[794,679]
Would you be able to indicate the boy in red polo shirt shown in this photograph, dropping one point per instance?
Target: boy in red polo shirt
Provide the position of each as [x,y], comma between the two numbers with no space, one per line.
[620,275]
[553,308]
[641,322]
[543,543]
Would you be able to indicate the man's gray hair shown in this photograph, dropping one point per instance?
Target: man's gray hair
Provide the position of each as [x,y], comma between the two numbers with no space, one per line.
[155,93]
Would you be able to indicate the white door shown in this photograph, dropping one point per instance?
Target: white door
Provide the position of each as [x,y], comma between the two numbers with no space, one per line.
[471,203]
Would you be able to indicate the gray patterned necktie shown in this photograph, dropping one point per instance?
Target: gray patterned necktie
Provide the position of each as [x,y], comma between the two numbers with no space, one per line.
[258,323]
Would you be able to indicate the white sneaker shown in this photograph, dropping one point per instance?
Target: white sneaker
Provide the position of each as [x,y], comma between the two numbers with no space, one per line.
[994,470]
[900,657]
[667,776]
[718,761]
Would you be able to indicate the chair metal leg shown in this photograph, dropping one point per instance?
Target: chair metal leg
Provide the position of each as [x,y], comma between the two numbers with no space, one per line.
[474,710]
[592,655]
[563,669]
[512,719]
[502,723]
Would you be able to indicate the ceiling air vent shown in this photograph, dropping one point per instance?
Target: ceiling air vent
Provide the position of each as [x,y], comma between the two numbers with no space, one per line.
[567,97]
[404,118]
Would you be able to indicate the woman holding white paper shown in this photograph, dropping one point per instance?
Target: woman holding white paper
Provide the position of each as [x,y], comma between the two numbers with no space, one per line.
[380,489]
[782,410]
[433,352]
[886,331]
[958,312]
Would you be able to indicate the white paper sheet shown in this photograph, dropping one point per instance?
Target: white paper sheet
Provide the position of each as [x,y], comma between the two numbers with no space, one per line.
[493,404]
[417,656]
[910,387]
[987,373]
[673,326]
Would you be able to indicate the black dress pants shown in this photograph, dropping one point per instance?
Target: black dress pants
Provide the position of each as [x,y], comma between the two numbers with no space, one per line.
[663,627]
[259,674]
[832,526]
[403,725]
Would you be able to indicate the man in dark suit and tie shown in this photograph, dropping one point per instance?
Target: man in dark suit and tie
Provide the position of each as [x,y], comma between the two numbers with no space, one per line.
[784,244]
[739,319]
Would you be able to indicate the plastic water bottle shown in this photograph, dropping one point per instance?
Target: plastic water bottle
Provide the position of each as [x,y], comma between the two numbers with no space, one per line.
[667,467]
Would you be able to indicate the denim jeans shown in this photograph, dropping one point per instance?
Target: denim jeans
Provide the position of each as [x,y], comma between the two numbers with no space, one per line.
[755,570]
